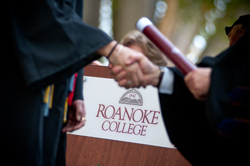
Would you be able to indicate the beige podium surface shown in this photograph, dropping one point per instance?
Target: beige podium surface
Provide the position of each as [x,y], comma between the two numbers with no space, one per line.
[89,151]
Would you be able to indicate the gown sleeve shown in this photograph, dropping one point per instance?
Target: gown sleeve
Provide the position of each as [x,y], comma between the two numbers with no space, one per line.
[79,86]
[51,40]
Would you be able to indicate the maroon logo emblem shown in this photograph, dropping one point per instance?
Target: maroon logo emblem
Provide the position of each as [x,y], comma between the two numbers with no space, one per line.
[132,97]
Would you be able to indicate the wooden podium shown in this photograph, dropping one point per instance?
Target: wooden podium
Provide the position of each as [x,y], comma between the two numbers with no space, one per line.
[88,151]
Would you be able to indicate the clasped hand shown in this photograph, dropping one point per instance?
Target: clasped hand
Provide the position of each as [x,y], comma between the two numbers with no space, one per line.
[133,69]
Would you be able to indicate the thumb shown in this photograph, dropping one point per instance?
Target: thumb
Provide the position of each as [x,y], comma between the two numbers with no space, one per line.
[132,59]
[78,106]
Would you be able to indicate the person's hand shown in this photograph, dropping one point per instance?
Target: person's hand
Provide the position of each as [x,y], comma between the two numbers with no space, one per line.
[134,76]
[118,56]
[151,72]
[76,116]
[198,82]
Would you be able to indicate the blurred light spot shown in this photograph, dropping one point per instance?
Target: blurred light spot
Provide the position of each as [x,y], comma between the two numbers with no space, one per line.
[192,57]
[160,10]
[217,13]
[221,5]
[105,19]
[210,28]
[105,11]
[200,42]
[209,16]
[161,6]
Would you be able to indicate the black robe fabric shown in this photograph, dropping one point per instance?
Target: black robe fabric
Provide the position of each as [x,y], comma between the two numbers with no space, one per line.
[228,105]
[51,41]
[45,43]
[192,125]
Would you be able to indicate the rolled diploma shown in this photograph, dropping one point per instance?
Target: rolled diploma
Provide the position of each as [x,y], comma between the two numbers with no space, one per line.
[167,47]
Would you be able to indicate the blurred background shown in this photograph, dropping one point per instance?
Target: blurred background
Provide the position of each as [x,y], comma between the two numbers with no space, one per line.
[196,27]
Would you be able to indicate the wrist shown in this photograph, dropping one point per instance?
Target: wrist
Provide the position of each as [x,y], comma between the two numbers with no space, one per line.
[112,50]
[115,53]
[105,50]
[159,74]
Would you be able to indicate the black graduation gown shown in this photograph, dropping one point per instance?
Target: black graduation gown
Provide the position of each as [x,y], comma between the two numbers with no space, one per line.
[45,42]
[229,94]
[191,124]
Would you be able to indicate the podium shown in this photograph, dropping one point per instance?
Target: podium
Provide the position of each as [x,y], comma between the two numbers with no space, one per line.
[89,151]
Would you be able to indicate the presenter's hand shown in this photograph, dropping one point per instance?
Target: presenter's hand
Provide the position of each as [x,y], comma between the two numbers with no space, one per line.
[151,72]
[119,56]
[198,82]
[76,116]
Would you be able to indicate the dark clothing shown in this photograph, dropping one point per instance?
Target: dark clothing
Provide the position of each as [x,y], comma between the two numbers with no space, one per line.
[192,125]
[51,39]
[229,93]
[45,43]
[52,128]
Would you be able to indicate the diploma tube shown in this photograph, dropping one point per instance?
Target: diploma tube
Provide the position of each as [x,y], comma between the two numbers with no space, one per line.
[167,47]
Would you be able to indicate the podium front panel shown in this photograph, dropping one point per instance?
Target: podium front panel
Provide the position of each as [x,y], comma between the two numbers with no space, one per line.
[90,151]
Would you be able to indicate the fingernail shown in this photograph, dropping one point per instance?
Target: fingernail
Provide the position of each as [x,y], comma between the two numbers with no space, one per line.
[79,118]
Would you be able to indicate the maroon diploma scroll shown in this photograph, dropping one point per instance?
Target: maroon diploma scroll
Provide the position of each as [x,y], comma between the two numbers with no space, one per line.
[167,47]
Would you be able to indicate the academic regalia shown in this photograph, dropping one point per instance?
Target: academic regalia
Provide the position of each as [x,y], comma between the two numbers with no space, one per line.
[229,95]
[193,126]
[45,43]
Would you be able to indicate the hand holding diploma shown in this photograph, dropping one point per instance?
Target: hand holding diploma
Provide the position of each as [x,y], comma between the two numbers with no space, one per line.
[198,82]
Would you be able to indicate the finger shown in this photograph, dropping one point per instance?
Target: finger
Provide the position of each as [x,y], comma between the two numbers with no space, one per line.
[79,125]
[140,77]
[79,106]
[132,76]
[132,59]
[74,126]
[116,70]
[67,127]
[123,82]
[122,75]
[70,126]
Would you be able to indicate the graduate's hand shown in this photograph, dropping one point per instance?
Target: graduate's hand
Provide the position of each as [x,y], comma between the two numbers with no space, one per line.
[134,75]
[118,56]
[198,82]
[151,72]
[76,116]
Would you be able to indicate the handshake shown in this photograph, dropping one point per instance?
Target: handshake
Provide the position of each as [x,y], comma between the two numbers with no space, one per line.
[133,69]
[129,67]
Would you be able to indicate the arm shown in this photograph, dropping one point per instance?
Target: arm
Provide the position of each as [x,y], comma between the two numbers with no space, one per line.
[60,42]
